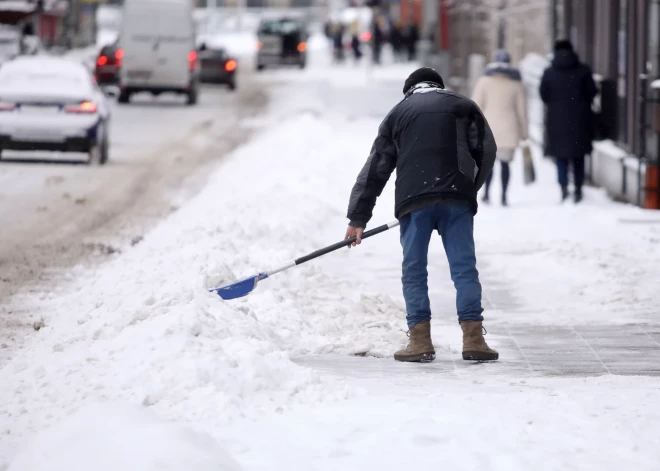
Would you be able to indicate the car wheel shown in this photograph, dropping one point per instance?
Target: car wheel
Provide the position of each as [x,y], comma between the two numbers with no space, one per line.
[105,150]
[124,96]
[95,155]
[192,97]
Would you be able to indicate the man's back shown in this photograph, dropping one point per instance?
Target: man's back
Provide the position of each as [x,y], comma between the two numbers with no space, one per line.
[440,145]
[436,156]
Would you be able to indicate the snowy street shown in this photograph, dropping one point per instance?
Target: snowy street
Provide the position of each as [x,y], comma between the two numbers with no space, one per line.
[160,152]
[136,366]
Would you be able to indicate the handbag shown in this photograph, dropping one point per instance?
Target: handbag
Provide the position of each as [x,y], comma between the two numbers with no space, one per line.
[529,173]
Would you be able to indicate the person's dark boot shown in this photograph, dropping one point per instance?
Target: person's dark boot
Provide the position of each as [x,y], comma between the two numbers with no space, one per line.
[578,195]
[564,193]
[485,198]
[420,348]
[474,345]
[504,202]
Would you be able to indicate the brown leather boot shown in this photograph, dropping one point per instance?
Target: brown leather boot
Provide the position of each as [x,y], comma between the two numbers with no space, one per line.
[420,347]
[474,345]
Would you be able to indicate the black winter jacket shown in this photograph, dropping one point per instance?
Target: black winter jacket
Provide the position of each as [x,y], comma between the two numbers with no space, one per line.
[441,147]
[567,89]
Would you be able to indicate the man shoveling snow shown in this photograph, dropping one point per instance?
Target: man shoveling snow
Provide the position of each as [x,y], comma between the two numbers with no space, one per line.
[443,150]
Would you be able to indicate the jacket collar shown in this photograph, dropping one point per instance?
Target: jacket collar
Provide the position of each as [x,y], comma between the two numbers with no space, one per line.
[424,87]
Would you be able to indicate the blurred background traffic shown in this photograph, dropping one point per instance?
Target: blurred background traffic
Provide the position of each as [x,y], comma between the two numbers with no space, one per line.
[217,41]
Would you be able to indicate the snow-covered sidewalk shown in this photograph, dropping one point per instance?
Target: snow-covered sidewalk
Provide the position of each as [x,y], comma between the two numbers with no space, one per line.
[272,378]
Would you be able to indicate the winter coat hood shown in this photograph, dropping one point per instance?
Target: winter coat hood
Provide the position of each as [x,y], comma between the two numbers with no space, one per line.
[565,59]
[502,68]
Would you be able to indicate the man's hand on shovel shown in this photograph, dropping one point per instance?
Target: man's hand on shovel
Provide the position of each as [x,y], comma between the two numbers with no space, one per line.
[354,232]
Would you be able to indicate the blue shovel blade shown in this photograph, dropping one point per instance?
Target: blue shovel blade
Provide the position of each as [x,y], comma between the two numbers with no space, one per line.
[240,288]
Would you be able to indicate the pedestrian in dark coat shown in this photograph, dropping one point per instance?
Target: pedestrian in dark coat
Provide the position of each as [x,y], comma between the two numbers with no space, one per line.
[338,43]
[377,38]
[568,89]
[443,150]
[397,40]
[411,38]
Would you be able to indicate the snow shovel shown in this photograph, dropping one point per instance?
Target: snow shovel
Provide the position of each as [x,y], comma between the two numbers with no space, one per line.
[246,286]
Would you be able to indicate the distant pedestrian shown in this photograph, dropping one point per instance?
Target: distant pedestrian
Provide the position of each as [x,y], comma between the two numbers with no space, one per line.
[443,150]
[396,38]
[568,89]
[411,37]
[355,40]
[501,96]
[338,42]
[377,39]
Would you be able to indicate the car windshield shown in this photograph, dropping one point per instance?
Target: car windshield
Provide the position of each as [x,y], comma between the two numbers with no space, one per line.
[279,26]
[108,50]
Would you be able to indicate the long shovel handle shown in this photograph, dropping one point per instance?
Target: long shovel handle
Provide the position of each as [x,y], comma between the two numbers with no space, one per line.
[247,285]
[345,243]
[330,248]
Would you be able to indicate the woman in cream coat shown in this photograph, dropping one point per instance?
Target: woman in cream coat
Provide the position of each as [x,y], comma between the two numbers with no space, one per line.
[501,96]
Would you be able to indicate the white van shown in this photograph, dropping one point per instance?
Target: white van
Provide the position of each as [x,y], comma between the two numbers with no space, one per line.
[157,49]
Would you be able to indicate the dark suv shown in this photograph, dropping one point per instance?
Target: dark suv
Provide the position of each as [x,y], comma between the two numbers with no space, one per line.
[108,64]
[282,41]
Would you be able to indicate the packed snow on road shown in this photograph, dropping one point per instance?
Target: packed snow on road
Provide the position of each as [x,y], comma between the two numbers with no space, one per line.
[137,366]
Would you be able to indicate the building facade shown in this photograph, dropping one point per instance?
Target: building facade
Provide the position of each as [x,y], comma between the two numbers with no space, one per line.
[620,40]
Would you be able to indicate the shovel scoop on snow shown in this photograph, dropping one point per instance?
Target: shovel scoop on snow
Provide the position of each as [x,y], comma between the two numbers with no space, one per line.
[245,286]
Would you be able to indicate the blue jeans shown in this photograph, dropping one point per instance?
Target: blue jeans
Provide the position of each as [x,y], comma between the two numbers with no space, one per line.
[578,170]
[454,222]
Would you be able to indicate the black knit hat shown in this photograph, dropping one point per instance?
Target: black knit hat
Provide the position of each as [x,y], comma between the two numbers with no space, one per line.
[563,45]
[425,74]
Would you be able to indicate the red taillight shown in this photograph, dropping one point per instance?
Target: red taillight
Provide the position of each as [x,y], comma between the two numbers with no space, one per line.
[231,65]
[101,61]
[259,45]
[119,55]
[366,36]
[7,107]
[192,59]
[302,47]
[84,107]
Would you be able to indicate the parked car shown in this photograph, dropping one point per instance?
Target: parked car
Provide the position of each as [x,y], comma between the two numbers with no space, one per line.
[108,64]
[158,41]
[217,66]
[52,104]
[282,41]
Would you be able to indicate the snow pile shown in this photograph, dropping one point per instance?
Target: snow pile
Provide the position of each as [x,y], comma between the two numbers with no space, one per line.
[113,436]
[143,328]
[311,310]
